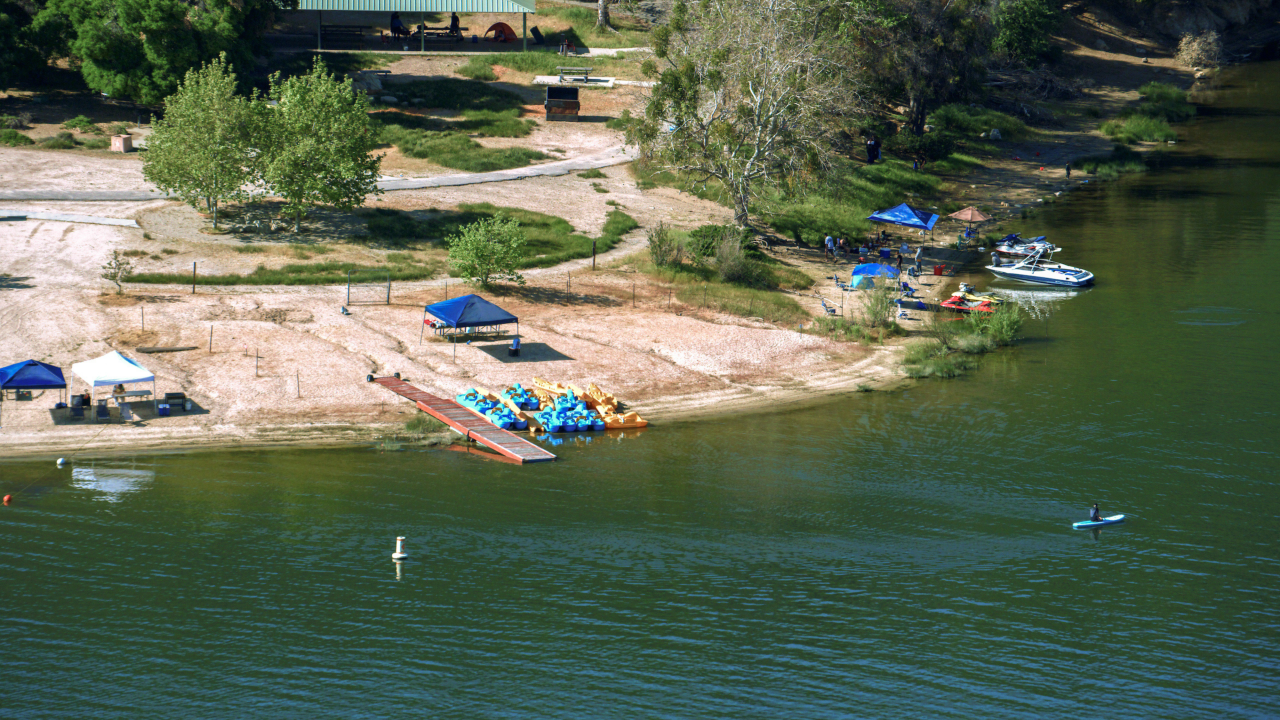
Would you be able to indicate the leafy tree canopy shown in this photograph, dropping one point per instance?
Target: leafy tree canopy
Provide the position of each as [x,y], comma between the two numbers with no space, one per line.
[487,250]
[1023,27]
[141,49]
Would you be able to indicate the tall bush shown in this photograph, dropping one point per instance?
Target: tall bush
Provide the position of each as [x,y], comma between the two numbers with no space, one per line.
[487,250]
[1023,28]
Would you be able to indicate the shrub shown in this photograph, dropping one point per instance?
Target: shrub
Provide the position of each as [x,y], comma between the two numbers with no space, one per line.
[733,266]
[1165,101]
[13,138]
[83,124]
[118,128]
[1139,128]
[1203,50]
[665,249]
[592,174]
[61,141]
[925,148]
[973,121]
[97,143]
[15,122]
[1122,159]
[621,122]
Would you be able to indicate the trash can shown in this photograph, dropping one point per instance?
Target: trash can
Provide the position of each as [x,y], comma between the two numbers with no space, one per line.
[562,104]
[162,409]
[514,350]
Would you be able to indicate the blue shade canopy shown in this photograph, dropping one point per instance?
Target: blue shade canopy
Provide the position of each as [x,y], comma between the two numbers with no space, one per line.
[31,375]
[874,270]
[906,216]
[470,311]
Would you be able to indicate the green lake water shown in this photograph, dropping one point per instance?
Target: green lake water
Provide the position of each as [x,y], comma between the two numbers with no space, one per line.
[903,554]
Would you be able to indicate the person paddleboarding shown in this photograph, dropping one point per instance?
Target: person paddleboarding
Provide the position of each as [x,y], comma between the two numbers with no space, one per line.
[1095,515]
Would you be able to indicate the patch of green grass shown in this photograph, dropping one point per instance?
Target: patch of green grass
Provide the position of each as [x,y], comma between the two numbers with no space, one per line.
[134,253]
[592,174]
[248,249]
[956,164]
[622,122]
[424,424]
[1160,100]
[1139,128]
[458,95]
[973,121]
[13,138]
[549,240]
[96,143]
[1109,167]
[82,124]
[598,188]
[767,305]
[170,251]
[324,273]
[478,67]
[118,128]
[630,30]
[288,64]
[457,151]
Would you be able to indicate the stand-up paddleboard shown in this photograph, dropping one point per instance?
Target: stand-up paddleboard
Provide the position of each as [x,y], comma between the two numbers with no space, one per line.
[1086,524]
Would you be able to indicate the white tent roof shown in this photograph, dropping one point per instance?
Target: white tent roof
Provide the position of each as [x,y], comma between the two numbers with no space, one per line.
[111,369]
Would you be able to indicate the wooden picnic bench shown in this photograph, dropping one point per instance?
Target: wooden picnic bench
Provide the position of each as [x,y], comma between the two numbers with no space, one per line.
[572,72]
[356,31]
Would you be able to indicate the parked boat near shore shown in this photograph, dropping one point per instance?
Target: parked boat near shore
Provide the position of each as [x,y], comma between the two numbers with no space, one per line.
[1014,244]
[1036,269]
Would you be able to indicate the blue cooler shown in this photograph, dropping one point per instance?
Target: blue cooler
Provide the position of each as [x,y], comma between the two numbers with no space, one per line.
[162,409]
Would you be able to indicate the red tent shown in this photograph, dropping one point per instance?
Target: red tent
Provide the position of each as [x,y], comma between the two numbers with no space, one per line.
[502,32]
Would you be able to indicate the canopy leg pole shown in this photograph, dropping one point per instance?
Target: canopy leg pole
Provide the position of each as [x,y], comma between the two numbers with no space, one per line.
[319,24]
[524,31]
[422,330]
[455,349]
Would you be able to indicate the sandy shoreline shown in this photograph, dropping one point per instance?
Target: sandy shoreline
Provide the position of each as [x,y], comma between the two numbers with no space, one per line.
[287,369]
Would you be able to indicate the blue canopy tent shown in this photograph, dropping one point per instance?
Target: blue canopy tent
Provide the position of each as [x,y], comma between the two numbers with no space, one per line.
[31,375]
[874,270]
[906,216]
[469,312]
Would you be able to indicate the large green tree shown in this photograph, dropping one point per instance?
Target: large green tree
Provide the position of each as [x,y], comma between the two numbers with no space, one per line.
[19,56]
[142,49]
[926,51]
[317,143]
[203,148]
[751,93]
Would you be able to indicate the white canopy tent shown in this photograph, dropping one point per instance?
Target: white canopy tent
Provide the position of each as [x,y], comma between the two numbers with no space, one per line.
[113,369]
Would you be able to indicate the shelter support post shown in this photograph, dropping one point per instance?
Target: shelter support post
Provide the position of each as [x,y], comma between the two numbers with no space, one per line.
[422,32]
[524,31]
[319,24]
[423,330]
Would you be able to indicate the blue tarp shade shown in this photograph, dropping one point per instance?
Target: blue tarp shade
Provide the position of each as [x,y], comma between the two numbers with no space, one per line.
[470,311]
[906,216]
[32,375]
[874,270]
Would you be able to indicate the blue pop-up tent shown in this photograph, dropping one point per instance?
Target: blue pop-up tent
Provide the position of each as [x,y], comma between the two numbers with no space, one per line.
[874,270]
[469,311]
[31,375]
[906,216]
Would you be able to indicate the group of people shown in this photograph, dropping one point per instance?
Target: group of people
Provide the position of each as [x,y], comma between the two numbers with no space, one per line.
[835,247]
[398,28]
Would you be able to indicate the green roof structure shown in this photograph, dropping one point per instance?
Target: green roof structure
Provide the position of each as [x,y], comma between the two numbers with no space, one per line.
[426,6]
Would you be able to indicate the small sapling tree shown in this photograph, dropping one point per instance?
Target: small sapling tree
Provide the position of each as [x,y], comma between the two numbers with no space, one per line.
[487,250]
[118,268]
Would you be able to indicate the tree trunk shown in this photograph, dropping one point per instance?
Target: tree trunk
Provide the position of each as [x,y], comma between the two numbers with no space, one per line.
[916,111]
[297,220]
[602,15]
[742,205]
[215,214]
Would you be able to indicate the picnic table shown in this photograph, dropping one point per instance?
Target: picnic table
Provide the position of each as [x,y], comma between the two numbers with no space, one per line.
[348,31]
[572,72]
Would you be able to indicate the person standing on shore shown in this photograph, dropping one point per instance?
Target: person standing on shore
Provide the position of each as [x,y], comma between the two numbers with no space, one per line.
[899,262]
[1068,171]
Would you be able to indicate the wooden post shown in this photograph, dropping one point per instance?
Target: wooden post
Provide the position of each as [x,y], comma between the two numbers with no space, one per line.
[633,293]
[423,330]
[255,362]
[210,337]
[704,295]
[297,382]
[144,319]
[348,287]
[388,287]
[193,278]
[593,256]
[568,283]
[319,24]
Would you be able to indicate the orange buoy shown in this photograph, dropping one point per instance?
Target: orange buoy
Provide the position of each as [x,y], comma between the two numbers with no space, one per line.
[6,499]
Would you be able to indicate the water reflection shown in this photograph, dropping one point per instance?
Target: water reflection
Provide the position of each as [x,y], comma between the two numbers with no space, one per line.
[1039,303]
[111,483]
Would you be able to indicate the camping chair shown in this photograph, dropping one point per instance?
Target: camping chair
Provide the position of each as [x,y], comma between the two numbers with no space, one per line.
[830,310]
[907,290]
[104,412]
[126,413]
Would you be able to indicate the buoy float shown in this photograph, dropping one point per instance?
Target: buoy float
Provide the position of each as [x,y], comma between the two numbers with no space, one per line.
[62,461]
[399,554]
[6,499]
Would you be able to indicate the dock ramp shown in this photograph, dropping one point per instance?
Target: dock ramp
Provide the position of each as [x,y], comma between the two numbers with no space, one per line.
[468,423]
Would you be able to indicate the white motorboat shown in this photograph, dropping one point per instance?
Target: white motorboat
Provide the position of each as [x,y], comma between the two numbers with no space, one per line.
[1014,244]
[1036,269]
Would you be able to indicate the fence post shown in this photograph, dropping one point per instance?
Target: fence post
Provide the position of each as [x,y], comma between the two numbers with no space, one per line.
[704,295]
[193,278]
[389,280]
[144,318]
[633,293]
[255,362]
[210,337]
[348,287]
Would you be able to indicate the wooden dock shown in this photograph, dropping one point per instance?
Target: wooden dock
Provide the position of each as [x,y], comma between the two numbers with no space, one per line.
[468,423]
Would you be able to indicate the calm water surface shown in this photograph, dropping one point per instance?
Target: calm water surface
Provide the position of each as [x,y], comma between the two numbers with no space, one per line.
[885,555]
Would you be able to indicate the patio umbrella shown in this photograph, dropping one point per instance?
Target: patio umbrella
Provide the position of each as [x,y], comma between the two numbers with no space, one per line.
[969,215]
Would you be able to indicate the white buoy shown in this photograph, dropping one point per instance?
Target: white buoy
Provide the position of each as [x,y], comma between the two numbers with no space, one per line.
[62,461]
[399,554]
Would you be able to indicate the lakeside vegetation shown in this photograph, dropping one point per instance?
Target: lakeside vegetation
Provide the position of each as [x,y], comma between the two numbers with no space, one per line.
[954,341]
